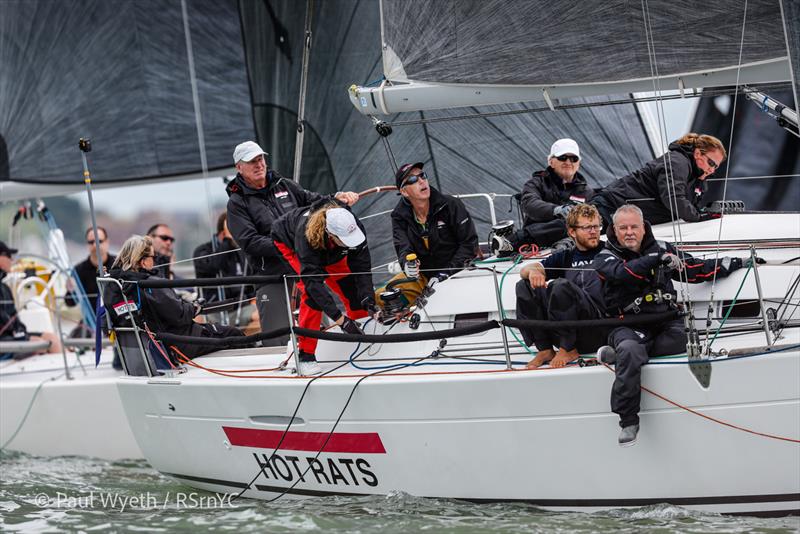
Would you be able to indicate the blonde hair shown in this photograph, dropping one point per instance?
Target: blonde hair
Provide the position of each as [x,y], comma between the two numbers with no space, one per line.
[581,210]
[133,251]
[703,142]
[315,228]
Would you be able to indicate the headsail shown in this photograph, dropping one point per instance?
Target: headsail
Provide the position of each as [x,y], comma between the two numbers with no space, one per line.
[117,71]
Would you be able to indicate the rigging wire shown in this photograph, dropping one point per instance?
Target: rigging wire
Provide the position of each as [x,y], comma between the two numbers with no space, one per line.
[725,182]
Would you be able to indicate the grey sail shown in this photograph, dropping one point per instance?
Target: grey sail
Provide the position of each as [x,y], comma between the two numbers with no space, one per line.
[342,151]
[573,42]
[117,71]
[458,53]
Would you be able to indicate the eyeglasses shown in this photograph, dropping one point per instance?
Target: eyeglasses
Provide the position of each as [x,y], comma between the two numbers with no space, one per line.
[711,163]
[91,241]
[414,178]
[589,227]
[564,157]
[167,238]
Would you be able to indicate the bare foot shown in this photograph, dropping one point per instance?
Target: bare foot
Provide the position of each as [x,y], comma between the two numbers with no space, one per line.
[564,357]
[541,358]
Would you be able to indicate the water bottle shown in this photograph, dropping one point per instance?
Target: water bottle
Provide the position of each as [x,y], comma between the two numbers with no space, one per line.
[412,266]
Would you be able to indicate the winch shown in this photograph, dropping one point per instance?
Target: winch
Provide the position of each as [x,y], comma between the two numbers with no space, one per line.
[500,239]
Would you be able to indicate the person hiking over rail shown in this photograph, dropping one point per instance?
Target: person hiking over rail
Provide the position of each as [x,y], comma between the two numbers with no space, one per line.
[637,273]
[574,292]
[325,244]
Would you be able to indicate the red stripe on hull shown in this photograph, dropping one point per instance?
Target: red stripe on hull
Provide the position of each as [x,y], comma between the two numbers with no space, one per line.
[368,442]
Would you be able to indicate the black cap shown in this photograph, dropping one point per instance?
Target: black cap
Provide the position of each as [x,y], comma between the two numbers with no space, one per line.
[404,171]
[5,250]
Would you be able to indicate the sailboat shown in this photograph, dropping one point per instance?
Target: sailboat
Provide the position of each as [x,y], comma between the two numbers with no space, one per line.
[444,407]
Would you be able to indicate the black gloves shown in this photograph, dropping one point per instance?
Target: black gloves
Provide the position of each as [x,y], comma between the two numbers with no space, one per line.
[349,326]
[708,215]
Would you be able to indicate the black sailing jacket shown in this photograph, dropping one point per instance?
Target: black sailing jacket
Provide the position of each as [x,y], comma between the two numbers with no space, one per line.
[628,275]
[252,212]
[291,231]
[545,190]
[452,240]
[649,187]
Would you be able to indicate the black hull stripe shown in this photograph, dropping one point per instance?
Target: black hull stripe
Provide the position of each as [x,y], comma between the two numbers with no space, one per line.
[680,501]
[216,481]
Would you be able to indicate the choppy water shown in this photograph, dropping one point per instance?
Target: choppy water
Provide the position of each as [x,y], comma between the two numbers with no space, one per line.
[83,494]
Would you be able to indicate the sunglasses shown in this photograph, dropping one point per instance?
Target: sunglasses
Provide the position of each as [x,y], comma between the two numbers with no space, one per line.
[167,238]
[711,163]
[414,178]
[91,241]
[571,157]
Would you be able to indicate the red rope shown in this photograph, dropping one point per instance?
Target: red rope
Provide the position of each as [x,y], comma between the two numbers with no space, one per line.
[713,419]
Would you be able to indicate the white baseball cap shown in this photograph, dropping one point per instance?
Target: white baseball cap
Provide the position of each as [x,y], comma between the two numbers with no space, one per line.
[342,224]
[564,146]
[247,151]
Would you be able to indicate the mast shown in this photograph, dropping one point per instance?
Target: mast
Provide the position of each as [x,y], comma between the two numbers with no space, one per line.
[301,107]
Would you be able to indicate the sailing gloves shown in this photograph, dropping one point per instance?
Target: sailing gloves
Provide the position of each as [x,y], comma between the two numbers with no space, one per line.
[349,326]
[672,261]
[732,264]
[708,215]
[562,211]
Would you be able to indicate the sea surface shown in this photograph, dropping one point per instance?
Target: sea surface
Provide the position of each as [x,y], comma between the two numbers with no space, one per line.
[82,494]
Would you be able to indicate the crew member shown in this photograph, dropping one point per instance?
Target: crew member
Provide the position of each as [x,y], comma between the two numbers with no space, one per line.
[574,292]
[86,271]
[437,228]
[11,327]
[257,197]
[637,272]
[549,194]
[163,310]
[325,244]
[164,246]
[670,187]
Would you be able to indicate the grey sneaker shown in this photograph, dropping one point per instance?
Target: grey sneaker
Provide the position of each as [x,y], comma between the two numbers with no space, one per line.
[627,435]
[309,369]
[606,354]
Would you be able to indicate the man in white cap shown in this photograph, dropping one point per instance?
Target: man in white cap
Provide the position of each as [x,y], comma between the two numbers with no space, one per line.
[549,194]
[257,197]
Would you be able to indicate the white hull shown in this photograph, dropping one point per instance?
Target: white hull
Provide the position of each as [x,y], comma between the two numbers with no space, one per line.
[543,436]
[463,426]
[82,416]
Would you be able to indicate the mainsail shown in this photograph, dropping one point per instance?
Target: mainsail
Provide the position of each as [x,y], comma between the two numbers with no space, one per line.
[440,53]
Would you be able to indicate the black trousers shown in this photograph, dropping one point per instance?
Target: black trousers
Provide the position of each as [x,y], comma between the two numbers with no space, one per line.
[561,300]
[271,303]
[634,347]
[543,234]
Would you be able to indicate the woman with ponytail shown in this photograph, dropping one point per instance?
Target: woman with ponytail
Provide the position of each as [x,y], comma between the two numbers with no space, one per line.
[325,244]
[671,186]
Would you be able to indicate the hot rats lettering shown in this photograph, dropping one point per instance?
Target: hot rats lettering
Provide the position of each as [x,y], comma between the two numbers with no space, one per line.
[328,471]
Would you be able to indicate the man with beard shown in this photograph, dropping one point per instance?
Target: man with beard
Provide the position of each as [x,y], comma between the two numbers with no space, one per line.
[574,292]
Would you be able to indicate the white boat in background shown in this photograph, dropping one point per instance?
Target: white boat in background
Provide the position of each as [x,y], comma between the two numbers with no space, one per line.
[59,404]
[465,420]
